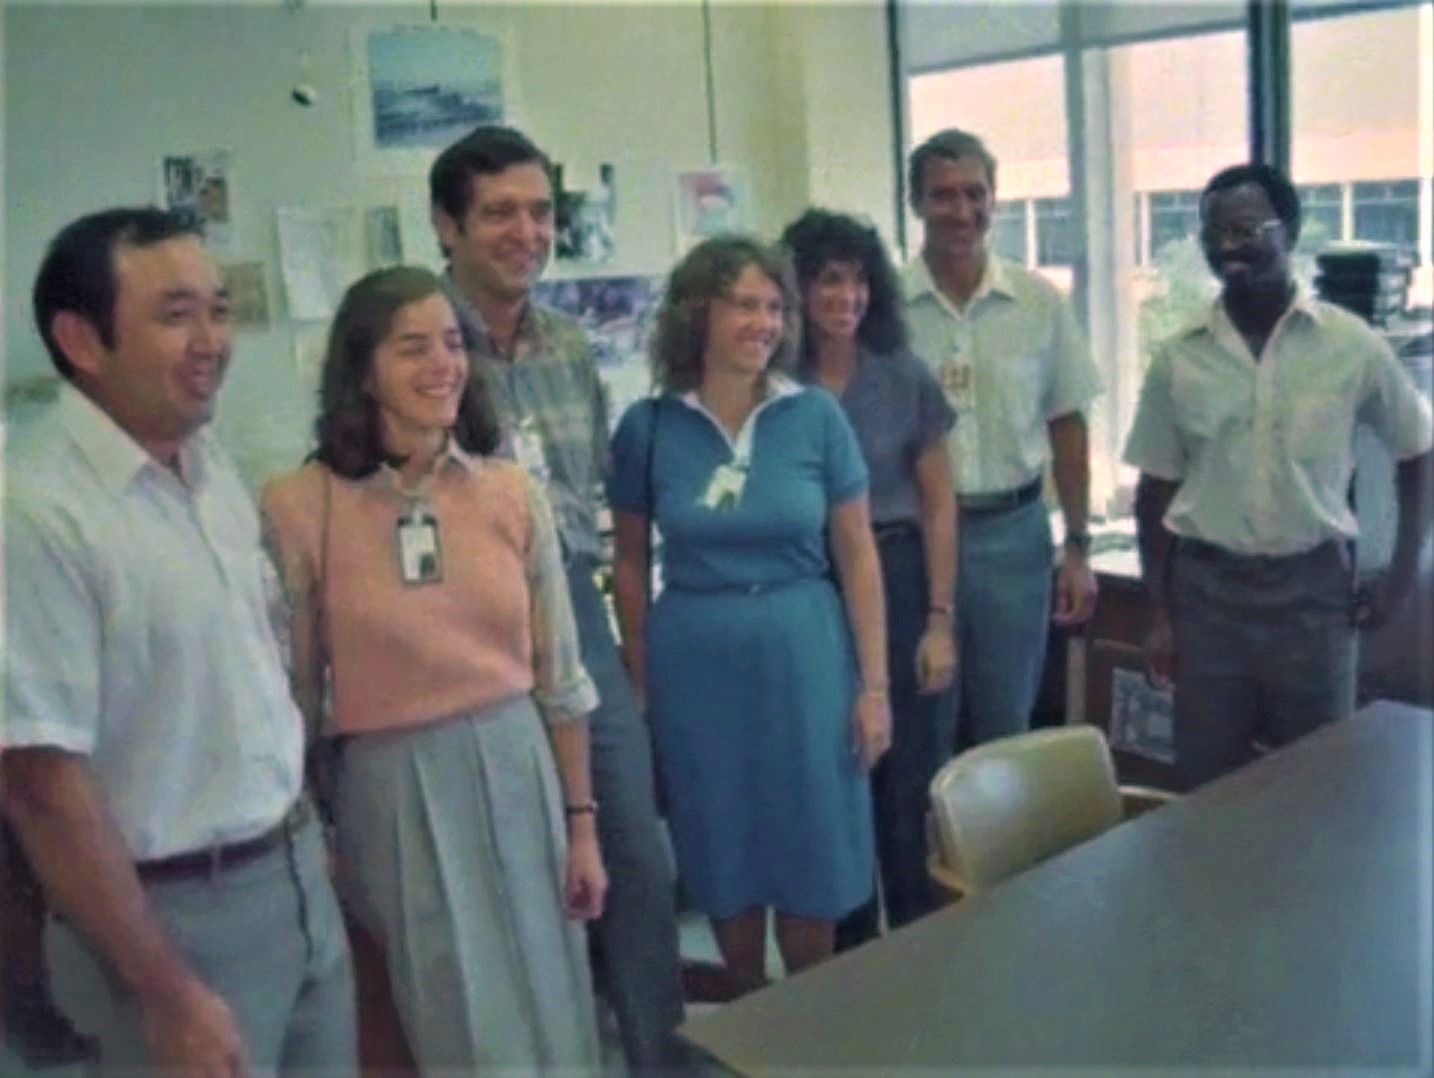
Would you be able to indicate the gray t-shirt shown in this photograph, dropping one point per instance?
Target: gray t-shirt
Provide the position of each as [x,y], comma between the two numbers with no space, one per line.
[898,410]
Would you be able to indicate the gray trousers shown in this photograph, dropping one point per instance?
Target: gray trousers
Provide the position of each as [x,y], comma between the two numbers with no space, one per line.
[1265,650]
[637,934]
[266,936]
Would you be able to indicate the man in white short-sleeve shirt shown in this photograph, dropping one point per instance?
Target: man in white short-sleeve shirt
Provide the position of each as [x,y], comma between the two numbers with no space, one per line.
[153,761]
[1244,437]
[1006,350]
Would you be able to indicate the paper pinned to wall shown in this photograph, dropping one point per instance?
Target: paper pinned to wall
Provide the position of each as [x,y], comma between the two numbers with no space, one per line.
[324,250]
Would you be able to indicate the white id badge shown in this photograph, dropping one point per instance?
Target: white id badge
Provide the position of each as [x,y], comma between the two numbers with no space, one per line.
[958,380]
[528,449]
[420,559]
[724,490]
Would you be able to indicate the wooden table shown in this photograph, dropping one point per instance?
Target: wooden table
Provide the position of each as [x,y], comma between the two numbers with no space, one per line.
[1278,918]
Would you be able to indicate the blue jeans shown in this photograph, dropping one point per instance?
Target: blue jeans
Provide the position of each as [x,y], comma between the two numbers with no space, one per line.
[920,743]
[637,934]
[1003,614]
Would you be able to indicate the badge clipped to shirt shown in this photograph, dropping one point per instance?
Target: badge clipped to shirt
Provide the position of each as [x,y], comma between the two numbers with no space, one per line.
[420,558]
[528,449]
[958,380]
[724,490]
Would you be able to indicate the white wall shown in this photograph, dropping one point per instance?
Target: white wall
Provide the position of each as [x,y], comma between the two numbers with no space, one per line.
[94,95]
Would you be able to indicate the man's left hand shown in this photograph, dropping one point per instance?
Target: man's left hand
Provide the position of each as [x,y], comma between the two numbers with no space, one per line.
[1377,599]
[1075,590]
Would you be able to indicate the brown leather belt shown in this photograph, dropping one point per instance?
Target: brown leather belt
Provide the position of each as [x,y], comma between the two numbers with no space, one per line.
[1000,501]
[207,864]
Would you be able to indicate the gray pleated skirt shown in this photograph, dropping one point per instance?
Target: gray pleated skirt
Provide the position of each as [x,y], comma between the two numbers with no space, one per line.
[453,853]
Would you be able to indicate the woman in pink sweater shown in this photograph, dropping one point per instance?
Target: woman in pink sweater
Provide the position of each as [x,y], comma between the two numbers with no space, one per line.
[433,634]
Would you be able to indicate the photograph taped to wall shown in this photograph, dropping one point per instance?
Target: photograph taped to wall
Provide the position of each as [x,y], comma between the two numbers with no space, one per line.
[710,201]
[617,314]
[1141,716]
[323,250]
[248,293]
[585,217]
[199,187]
[419,88]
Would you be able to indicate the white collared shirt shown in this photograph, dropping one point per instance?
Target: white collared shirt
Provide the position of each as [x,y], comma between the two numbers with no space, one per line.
[1011,362]
[139,632]
[777,387]
[1264,450]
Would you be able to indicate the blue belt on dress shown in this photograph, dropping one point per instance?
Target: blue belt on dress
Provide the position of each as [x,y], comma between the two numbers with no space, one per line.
[896,529]
[759,588]
[999,501]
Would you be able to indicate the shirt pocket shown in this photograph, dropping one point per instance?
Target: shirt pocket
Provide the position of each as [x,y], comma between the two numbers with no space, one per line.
[1023,387]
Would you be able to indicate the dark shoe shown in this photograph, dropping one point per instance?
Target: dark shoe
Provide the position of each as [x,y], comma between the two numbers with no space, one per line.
[41,1034]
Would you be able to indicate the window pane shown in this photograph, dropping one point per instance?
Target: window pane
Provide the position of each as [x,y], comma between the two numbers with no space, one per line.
[1359,126]
[1055,243]
[1018,110]
[1175,111]
[1008,231]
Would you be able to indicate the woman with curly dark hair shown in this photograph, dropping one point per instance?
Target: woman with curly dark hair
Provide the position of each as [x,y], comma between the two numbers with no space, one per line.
[766,693]
[428,598]
[855,346]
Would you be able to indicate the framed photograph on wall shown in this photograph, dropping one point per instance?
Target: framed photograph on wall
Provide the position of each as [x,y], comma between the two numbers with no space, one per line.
[419,88]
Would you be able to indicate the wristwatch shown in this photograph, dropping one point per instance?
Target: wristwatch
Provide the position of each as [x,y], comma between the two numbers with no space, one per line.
[1079,540]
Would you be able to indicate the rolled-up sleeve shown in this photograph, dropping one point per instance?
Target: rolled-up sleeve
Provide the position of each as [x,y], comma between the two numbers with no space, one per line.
[1153,445]
[1394,407]
[52,636]
[561,686]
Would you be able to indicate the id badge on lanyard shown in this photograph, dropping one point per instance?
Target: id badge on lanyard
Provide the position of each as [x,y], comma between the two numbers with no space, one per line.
[958,379]
[528,450]
[724,489]
[420,555]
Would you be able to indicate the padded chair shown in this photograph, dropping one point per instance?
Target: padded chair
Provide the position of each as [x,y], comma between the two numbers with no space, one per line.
[1004,806]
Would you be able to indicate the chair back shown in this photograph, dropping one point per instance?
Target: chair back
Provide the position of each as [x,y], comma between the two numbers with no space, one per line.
[1004,806]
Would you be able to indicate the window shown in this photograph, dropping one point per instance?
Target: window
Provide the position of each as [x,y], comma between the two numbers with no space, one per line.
[1174,216]
[1323,205]
[1008,231]
[1360,107]
[1018,109]
[1387,212]
[1055,236]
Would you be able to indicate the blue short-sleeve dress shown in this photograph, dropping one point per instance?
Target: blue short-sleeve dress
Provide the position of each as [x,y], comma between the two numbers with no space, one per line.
[750,665]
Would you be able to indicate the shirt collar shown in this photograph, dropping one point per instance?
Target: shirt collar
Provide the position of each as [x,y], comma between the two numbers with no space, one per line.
[452,455]
[996,278]
[530,330]
[777,387]
[1216,320]
[112,451]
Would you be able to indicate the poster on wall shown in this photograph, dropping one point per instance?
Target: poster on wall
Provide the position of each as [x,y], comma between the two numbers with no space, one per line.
[199,187]
[710,201]
[584,217]
[323,250]
[419,88]
[617,315]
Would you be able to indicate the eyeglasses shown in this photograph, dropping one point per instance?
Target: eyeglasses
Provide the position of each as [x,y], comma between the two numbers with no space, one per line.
[1239,232]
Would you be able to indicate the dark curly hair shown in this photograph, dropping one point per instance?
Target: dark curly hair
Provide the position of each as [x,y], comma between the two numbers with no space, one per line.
[348,429]
[707,272]
[819,237]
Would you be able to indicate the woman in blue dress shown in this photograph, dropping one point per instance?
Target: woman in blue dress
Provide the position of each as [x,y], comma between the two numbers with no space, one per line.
[765,684]
[854,344]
